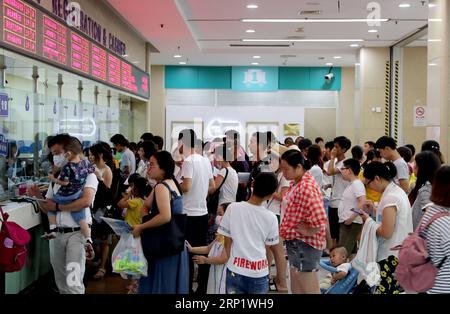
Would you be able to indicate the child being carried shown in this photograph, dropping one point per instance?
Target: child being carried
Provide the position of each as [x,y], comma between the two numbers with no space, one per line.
[72,178]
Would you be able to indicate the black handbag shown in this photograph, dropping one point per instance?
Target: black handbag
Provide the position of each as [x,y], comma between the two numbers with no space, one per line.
[213,200]
[168,239]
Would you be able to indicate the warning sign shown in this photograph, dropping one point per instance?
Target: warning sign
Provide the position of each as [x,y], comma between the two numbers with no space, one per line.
[419,116]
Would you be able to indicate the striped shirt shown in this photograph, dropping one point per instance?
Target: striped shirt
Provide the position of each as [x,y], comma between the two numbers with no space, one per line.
[438,242]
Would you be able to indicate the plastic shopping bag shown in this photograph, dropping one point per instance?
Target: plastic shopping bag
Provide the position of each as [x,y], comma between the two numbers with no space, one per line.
[128,258]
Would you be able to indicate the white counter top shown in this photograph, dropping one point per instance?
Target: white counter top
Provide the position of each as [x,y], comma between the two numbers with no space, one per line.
[23,214]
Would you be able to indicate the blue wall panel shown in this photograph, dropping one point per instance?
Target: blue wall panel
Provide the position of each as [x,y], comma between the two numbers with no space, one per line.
[294,78]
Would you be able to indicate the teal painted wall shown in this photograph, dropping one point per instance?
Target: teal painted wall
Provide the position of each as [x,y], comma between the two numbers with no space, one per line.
[289,78]
[193,77]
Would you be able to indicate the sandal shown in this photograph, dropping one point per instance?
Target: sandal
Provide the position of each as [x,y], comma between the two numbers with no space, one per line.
[100,273]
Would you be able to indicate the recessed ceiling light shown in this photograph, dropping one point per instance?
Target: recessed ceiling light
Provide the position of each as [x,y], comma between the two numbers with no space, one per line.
[404,5]
[256,57]
[337,57]
[182,62]
[432,64]
[255,63]
[250,31]
[329,64]
[252,6]
[434,40]
[313,20]
[373,31]
[354,45]
[431,5]
[303,40]
[177,56]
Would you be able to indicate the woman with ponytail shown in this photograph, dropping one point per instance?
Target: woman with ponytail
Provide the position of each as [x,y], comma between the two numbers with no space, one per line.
[394,218]
[304,223]
[434,147]
[166,275]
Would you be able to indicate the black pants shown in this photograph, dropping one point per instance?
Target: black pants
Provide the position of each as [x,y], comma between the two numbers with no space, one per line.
[196,234]
[333,218]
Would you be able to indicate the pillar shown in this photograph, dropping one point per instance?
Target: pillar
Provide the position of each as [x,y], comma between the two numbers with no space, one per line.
[373,95]
[438,91]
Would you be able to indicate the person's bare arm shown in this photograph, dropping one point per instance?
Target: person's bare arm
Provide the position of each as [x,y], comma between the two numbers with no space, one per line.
[83,202]
[404,184]
[186,185]
[211,187]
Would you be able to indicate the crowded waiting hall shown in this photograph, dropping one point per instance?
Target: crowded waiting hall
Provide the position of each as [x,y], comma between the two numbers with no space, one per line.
[198,147]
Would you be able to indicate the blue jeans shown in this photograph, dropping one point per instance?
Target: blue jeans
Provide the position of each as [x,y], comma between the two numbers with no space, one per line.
[238,284]
[64,200]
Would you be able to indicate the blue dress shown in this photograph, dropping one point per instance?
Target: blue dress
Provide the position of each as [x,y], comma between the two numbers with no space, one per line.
[167,275]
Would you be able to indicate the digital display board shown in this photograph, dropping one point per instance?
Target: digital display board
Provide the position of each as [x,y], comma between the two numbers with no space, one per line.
[37,33]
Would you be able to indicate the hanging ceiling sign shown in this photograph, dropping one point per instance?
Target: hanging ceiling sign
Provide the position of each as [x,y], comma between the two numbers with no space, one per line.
[33,31]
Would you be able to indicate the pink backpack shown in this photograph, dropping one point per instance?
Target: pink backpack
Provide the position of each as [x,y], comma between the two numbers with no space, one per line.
[415,271]
[13,241]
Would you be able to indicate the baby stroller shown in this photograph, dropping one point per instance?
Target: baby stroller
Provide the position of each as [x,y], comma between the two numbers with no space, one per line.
[345,285]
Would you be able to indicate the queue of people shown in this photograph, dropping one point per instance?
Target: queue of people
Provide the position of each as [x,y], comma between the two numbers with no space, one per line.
[231,218]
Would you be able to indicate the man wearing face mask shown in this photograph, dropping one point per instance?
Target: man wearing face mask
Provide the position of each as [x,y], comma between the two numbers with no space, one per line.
[67,250]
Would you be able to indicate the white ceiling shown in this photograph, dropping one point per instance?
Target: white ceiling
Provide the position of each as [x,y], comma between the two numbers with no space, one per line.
[205,29]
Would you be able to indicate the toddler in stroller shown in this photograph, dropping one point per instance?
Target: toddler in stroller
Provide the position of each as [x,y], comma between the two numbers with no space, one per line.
[343,277]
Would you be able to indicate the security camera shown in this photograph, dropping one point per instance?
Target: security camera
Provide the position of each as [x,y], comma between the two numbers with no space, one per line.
[329,77]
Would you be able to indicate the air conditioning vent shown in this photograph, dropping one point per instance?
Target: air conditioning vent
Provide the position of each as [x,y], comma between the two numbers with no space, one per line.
[262,45]
[288,56]
[310,12]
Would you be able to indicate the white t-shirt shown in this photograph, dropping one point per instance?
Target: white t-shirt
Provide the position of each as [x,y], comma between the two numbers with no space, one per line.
[142,169]
[350,200]
[402,170]
[64,218]
[251,228]
[274,205]
[197,168]
[327,180]
[345,267]
[317,174]
[229,189]
[339,185]
[128,159]
[393,195]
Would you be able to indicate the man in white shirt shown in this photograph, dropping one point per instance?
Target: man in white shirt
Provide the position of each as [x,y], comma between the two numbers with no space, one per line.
[341,146]
[388,150]
[67,250]
[197,181]
[248,227]
[128,160]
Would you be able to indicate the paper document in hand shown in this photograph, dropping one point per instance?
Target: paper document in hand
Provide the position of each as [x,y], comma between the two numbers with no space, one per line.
[118,226]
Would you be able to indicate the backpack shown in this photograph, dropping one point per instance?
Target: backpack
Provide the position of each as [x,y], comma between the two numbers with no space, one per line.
[415,270]
[13,239]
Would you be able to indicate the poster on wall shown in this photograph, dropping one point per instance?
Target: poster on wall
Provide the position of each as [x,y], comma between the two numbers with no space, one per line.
[291,129]
[4,105]
[420,116]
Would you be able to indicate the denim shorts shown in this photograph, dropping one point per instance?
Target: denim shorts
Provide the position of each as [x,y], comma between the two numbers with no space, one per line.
[302,256]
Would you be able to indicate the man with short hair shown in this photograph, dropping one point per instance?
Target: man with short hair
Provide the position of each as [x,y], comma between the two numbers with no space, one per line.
[388,150]
[248,228]
[197,182]
[341,146]
[67,250]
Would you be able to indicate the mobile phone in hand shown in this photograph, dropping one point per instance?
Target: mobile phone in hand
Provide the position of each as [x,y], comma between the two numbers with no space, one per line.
[356,210]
